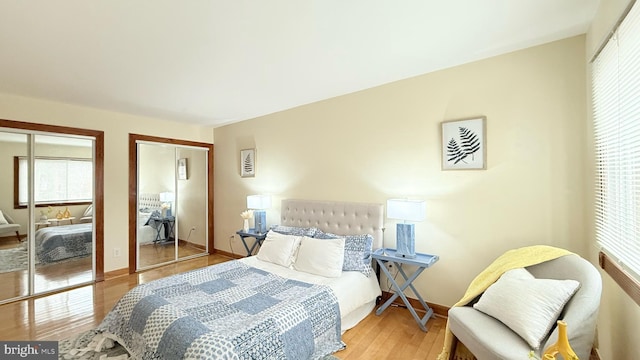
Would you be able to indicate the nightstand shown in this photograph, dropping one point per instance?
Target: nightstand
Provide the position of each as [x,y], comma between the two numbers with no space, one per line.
[421,261]
[57,221]
[169,223]
[259,238]
[42,223]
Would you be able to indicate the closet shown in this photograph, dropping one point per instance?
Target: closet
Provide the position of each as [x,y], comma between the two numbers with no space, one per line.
[50,185]
[173,201]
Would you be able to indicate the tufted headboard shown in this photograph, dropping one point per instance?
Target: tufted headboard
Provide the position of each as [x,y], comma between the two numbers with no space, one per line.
[342,218]
[149,201]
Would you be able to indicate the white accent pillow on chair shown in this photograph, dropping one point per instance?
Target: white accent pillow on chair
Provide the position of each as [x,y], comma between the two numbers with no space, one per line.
[527,305]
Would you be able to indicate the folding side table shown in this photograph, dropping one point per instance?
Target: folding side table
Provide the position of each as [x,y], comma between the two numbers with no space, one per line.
[422,261]
[259,238]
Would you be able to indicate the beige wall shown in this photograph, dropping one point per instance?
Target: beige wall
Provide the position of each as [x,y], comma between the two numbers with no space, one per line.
[116,127]
[156,168]
[385,142]
[619,318]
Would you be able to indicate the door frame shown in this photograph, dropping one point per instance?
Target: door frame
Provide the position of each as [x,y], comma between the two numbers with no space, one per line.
[133,190]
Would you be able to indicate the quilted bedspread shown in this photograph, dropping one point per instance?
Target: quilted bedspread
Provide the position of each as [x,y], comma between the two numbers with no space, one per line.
[227,311]
[57,243]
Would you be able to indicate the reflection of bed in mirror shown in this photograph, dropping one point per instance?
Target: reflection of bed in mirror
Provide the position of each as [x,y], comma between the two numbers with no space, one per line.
[57,243]
[149,207]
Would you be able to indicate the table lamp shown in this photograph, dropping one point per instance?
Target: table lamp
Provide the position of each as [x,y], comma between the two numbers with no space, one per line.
[168,197]
[258,203]
[406,210]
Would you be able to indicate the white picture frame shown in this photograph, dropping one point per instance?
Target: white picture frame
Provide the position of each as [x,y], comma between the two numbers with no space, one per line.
[248,162]
[182,169]
[464,144]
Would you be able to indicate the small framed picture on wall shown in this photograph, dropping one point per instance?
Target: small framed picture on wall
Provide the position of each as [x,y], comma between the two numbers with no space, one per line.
[248,162]
[464,144]
[182,169]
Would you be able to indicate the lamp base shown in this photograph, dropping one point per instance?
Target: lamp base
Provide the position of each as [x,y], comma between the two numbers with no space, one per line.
[405,241]
[260,221]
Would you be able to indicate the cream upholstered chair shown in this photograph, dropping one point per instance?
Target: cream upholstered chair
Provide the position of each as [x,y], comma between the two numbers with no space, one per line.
[87,216]
[488,338]
[7,225]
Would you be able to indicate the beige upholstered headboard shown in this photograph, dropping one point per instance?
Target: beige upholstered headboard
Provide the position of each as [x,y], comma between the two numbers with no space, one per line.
[149,201]
[342,218]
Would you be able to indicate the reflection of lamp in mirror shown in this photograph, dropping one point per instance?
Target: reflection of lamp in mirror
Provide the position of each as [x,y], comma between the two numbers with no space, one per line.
[406,210]
[167,198]
[258,203]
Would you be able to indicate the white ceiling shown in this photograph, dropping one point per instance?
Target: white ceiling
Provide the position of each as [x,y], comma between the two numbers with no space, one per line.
[217,62]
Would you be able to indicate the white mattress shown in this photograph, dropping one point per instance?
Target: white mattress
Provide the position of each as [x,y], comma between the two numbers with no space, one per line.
[356,293]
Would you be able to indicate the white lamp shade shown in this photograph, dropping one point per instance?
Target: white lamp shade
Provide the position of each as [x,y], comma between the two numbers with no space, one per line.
[167,196]
[407,210]
[258,202]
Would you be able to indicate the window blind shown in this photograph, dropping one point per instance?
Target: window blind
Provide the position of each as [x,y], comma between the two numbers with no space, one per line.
[57,180]
[616,116]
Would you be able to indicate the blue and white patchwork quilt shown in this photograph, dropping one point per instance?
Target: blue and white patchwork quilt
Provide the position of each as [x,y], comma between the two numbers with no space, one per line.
[227,311]
[56,243]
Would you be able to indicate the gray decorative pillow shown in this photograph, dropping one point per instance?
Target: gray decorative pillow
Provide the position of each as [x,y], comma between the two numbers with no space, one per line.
[292,230]
[357,251]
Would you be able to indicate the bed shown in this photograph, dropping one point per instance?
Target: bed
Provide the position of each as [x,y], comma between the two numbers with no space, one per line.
[57,243]
[273,305]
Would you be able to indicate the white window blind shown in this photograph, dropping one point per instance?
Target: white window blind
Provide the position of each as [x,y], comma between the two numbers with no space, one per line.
[57,180]
[616,114]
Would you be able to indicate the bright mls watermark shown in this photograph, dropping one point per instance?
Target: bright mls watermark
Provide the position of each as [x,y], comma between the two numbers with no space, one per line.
[38,350]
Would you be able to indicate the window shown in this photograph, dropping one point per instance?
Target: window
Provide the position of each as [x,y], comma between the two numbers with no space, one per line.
[56,181]
[616,114]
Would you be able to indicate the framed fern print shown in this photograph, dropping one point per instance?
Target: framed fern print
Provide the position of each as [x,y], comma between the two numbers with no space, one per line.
[464,144]
[248,162]
[182,169]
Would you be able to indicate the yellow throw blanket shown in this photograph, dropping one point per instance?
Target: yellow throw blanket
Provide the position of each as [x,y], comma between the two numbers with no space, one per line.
[512,259]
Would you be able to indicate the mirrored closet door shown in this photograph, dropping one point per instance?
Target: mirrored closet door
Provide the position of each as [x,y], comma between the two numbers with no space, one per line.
[14,223]
[63,194]
[172,211]
[47,227]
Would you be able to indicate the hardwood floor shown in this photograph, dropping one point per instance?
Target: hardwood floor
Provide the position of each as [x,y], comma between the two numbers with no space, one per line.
[392,335]
[152,254]
[77,271]
[48,277]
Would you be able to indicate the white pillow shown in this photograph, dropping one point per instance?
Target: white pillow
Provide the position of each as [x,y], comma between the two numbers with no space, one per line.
[279,248]
[320,257]
[3,221]
[527,305]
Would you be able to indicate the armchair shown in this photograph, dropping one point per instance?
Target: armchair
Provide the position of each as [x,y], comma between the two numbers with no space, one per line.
[87,216]
[488,338]
[7,225]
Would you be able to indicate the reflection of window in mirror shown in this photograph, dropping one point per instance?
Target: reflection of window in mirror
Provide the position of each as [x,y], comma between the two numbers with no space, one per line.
[57,181]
